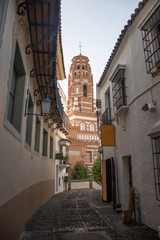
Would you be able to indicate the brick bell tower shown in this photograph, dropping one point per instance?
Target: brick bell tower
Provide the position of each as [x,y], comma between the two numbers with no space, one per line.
[82,113]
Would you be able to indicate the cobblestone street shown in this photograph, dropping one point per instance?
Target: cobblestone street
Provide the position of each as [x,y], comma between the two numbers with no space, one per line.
[81,214]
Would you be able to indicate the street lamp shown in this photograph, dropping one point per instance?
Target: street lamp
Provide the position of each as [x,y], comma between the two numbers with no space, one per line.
[45,105]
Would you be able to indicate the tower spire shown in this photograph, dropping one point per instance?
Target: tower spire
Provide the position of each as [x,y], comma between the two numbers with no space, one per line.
[80,46]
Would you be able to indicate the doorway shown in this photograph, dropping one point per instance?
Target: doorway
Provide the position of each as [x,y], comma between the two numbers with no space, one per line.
[127,178]
[108,181]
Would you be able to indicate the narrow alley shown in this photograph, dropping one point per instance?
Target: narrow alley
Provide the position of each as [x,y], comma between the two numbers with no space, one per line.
[81,214]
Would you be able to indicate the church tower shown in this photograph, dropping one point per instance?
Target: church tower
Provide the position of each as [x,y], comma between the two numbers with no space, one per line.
[80,86]
[82,113]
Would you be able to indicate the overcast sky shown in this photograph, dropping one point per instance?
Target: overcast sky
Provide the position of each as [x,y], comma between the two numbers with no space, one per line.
[96,24]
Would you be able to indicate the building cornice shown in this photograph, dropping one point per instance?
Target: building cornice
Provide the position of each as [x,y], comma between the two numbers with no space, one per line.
[82,118]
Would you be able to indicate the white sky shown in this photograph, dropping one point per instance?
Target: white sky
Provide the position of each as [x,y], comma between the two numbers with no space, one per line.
[96,24]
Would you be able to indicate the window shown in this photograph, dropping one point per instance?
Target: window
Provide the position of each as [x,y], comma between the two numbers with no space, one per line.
[119,90]
[76,90]
[15,101]
[3,8]
[84,90]
[92,127]
[2,2]
[59,181]
[151,41]
[82,67]
[29,121]
[95,154]
[37,134]
[156,164]
[106,116]
[78,67]
[89,157]
[51,147]
[75,100]
[45,142]
[82,126]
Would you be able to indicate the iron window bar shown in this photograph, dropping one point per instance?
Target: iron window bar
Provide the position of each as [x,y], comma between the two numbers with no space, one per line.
[119,89]
[156,164]
[151,42]
[106,117]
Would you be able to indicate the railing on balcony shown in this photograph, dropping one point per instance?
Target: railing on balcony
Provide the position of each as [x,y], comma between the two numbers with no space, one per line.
[106,117]
[59,156]
[62,162]
[65,124]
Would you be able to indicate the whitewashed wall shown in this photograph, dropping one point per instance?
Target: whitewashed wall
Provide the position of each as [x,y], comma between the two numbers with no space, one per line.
[132,131]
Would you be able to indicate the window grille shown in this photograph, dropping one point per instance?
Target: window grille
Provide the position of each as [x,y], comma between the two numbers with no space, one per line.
[119,90]
[151,42]
[106,117]
[156,164]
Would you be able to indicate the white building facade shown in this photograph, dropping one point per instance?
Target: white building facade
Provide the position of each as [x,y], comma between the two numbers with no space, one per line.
[129,95]
[31,62]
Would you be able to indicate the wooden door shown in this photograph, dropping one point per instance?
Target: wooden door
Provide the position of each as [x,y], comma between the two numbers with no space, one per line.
[108,181]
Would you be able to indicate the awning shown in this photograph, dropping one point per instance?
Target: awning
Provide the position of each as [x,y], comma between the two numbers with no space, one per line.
[43,18]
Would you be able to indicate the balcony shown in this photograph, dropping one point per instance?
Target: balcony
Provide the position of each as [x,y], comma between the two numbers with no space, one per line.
[64,127]
[63,160]
[64,163]
[44,38]
[106,117]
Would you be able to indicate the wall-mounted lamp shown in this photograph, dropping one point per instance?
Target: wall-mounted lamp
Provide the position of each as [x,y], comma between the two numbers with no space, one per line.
[45,106]
[149,106]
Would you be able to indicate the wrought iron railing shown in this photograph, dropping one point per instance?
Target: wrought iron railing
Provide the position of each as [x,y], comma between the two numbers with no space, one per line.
[65,124]
[106,117]
[119,93]
[151,42]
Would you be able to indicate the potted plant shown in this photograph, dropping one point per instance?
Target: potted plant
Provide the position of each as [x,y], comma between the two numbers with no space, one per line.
[118,208]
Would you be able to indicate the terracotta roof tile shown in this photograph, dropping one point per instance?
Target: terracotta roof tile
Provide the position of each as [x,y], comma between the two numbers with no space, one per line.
[60,36]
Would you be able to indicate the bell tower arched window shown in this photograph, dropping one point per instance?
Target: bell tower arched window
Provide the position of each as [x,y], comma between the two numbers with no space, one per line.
[82,126]
[84,90]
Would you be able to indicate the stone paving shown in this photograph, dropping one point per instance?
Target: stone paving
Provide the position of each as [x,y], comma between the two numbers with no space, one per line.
[81,215]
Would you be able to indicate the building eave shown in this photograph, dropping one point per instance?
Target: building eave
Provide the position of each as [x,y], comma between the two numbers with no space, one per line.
[120,39]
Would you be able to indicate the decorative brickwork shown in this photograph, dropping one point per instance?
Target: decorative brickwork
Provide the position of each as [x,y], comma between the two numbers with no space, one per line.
[82,113]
